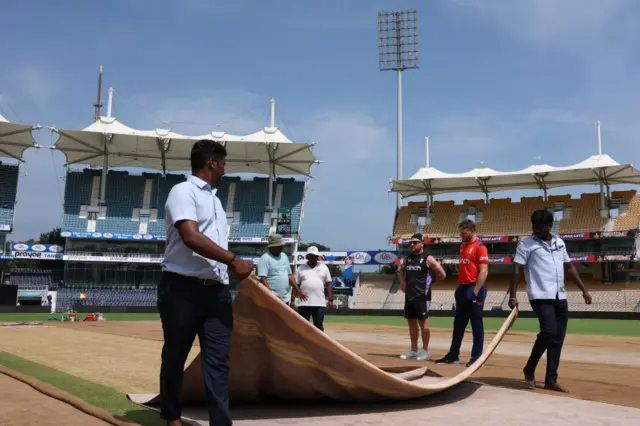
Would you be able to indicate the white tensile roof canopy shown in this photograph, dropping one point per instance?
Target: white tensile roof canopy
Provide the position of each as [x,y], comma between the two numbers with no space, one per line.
[594,170]
[267,151]
[15,138]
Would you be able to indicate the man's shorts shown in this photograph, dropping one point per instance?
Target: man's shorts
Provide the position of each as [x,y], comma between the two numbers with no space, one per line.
[417,309]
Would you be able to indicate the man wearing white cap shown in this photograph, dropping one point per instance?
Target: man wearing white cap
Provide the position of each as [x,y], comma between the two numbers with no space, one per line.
[274,270]
[314,278]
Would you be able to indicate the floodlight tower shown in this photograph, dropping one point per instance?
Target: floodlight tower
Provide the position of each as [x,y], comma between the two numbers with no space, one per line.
[398,51]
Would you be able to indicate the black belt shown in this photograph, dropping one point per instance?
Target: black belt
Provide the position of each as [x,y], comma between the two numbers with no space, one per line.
[209,282]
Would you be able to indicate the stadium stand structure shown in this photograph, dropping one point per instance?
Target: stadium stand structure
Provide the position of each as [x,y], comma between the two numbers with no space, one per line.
[8,191]
[502,216]
[114,220]
[601,230]
[135,204]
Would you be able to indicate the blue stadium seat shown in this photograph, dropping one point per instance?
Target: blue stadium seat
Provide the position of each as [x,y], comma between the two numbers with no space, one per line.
[8,187]
[126,192]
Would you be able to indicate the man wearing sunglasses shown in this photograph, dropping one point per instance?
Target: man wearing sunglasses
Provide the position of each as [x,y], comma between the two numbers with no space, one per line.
[416,277]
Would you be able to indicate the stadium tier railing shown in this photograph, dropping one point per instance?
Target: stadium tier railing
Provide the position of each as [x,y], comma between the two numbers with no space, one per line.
[133,199]
[501,216]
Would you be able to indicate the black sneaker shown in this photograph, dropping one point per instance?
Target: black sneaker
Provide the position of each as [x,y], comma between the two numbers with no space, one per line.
[448,359]
[470,363]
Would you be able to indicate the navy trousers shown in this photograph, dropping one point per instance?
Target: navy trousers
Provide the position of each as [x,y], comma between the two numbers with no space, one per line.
[468,308]
[315,312]
[553,317]
[188,308]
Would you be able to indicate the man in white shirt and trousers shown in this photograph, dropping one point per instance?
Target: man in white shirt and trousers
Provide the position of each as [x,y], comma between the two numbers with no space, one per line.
[543,258]
[193,293]
[314,280]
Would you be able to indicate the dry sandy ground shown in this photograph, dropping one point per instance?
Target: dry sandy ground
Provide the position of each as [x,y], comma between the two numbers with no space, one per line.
[601,369]
[21,405]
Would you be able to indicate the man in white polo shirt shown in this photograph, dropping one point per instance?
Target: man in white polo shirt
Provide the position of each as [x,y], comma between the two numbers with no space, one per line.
[313,278]
[544,260]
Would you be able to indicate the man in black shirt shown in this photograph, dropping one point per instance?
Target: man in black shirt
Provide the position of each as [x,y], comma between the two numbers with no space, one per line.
[416,277]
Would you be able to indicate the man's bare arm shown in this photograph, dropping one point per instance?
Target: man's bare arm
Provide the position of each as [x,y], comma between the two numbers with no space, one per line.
[513,288]
[196,241]
[403,284]
[575,277]
[482,276]
[437,267]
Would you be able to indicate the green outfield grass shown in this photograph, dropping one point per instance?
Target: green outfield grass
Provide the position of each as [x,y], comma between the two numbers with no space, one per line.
[93,393]
[630,328]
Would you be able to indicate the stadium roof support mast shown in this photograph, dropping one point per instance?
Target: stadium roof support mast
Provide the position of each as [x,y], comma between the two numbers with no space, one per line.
[272,169]
[398,51]
[105,165]
[429,196]
[604,212]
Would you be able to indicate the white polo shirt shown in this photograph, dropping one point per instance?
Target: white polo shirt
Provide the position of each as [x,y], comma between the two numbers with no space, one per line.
[543,266]
[312,282]
[195,200]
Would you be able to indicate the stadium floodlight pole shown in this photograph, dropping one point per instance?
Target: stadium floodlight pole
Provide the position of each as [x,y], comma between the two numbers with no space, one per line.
[398,51]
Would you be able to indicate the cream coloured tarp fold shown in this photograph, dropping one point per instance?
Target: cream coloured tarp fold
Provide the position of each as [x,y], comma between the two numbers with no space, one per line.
[277,356]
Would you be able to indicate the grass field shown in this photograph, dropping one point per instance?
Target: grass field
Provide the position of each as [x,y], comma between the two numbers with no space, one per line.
[90,392]
[630,328]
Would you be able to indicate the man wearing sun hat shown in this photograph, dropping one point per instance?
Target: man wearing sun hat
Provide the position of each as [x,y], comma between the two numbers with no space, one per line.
[314,279]
[274,270]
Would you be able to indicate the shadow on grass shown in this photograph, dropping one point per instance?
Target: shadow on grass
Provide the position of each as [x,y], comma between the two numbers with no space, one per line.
[286,412]
[142,417]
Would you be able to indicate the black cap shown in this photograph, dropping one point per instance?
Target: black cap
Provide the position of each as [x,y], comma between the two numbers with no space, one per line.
[417,236]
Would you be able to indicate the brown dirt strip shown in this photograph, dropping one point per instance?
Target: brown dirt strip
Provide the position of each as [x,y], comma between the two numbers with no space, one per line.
[593,381]
[27,401]
[126,357]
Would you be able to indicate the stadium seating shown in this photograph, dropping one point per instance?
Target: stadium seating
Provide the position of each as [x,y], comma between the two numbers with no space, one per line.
[35,279]
[67,297]
[504,217]
[245,202]
[8,188]
[373,294]
[373,291]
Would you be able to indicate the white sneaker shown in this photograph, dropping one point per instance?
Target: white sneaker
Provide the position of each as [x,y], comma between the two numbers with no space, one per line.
[409,355]
[423,355]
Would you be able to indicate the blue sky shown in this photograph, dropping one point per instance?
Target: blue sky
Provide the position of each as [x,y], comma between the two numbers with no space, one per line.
[501,82]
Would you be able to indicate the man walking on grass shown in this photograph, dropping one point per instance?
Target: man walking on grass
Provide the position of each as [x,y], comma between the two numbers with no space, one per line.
[543,259]
[470,294]
[274,271]
[193,292]
[417,274]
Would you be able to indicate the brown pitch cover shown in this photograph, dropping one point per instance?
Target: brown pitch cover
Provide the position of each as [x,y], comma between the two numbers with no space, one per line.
[277,355]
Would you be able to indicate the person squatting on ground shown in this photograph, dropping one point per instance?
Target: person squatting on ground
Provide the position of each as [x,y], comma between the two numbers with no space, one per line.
[544,260]
[274,271]
[417,274]
[193,292]
[314,280]
[470,295]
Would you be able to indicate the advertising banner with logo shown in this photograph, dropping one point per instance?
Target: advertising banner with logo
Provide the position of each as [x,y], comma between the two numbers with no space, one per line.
[111,236]
[368,258]
[37,251]
[492,239]
[147,237]
[326,257]
[5,256]
[5,227]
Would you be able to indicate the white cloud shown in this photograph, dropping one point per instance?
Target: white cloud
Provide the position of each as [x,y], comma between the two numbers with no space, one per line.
[562,24]
[35,84]
[349,206]
[196,112]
